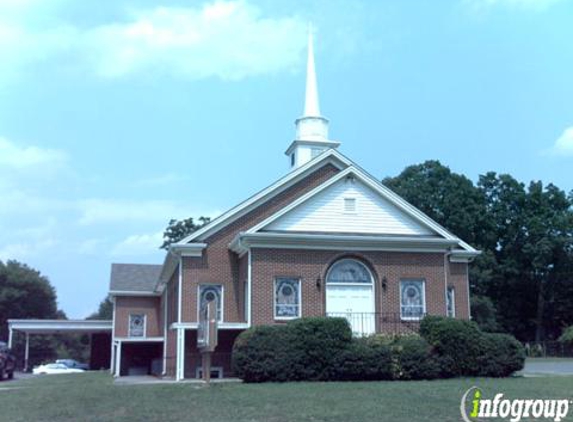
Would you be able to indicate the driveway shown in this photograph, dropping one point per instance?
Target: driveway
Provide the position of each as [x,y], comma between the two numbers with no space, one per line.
[548,366]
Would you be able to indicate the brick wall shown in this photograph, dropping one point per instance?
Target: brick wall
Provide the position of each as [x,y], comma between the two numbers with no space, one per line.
[312,265]
[150,306]
[172,289]
[458,279]
[219,265]
[221,356]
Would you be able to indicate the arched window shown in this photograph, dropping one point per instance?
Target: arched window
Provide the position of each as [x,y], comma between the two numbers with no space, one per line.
[349,271]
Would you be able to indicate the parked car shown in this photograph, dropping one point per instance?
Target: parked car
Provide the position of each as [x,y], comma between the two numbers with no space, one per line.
[74,364]
[55,368]
[7,362]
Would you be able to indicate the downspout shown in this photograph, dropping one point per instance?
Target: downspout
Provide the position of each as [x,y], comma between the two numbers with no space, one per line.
[165,304]
[179,371]
[468,284]
[112,364]
[249,287]
[446,272]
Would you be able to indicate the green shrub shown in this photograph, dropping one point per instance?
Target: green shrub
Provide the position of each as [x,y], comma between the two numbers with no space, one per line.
[365,360]
[414,359]
[567,336]
[502,355]
[323,349]
[262,354]
[315,345]
[464,350]
[456,342]
[303,349]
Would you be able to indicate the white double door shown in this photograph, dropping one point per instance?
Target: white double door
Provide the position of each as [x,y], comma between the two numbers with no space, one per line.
[355,302]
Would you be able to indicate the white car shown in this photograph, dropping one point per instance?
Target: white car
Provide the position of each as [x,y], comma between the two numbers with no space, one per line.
[55,368]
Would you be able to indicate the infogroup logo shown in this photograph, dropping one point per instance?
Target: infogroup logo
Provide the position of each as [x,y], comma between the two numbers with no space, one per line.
[474,407]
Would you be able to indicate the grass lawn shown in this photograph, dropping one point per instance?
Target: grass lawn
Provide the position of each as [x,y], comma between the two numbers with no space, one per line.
[94,397]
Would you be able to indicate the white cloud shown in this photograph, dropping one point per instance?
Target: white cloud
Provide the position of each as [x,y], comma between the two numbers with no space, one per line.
[534,5]
[13,156]
[99,210]
[28,249]
[224,39]
[564,144]
[139,244]
[229,40]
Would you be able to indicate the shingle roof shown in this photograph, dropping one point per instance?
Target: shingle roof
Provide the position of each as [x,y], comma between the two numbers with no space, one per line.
[134,277]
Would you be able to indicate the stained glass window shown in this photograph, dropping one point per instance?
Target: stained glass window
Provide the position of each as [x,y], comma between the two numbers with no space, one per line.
[348,271]
[412,299]
[451,302]
[209,293]
[287,298]
[137,325]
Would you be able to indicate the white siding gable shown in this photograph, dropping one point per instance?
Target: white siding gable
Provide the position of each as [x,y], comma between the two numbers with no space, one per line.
[330,211]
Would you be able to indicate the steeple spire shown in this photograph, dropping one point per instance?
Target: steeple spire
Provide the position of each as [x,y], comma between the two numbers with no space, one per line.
[312,128]
[311,105]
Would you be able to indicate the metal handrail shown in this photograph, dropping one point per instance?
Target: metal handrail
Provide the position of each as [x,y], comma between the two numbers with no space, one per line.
[365,323]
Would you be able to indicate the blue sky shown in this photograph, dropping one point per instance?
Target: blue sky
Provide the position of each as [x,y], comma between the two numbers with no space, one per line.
[118,116]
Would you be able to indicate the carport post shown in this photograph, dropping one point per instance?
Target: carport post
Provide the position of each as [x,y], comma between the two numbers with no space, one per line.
[10,334]
[27,352]
[118,360]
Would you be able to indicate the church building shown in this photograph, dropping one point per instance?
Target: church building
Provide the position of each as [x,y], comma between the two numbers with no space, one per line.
[326,239]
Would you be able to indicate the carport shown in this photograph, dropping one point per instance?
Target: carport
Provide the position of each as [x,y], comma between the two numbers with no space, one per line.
[99,330]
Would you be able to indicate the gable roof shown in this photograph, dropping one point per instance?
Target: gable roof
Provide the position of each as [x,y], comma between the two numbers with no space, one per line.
[320,211]
[349,206]
[378,187]
[463,251]
[134,278]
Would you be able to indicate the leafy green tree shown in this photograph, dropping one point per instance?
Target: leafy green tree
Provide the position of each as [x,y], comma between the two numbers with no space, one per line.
[525,235]
[484,313]
[24,293]
[534,231]
[179,229]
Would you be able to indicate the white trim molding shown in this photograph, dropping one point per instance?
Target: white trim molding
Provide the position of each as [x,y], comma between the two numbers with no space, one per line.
[221,326]
[244,241]
[139,339]
[133,293]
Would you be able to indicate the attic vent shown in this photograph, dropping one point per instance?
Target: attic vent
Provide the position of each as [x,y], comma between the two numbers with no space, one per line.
[349,204]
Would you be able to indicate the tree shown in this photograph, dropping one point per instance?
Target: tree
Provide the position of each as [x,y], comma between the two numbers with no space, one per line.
[534,232]
[24,293]
[179,229]
[525,235]
[484,313]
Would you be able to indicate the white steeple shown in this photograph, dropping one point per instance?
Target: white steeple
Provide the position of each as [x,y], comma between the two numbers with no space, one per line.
[311,105]
[312,128]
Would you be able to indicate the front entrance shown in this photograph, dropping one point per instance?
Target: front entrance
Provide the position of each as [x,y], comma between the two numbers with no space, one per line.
[350,295]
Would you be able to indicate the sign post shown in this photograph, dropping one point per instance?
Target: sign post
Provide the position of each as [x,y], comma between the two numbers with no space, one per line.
[207,336]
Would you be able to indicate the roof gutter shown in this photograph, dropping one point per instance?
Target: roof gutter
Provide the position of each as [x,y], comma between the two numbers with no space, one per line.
[243,241]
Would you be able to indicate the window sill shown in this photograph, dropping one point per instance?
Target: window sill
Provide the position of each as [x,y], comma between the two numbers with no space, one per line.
[411,318]
[285,319]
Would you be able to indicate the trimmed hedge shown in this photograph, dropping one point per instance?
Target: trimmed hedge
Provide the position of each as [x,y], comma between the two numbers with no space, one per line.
[322,349]
[464,350]
[302,349]
[365,360]
[456,341]
[414,359]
